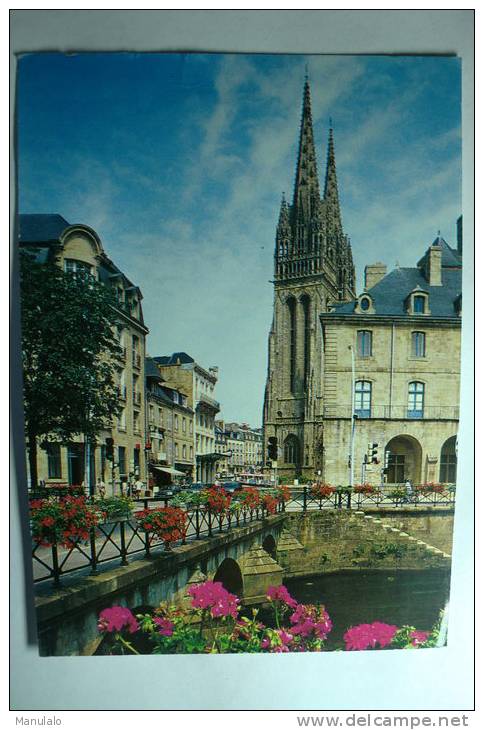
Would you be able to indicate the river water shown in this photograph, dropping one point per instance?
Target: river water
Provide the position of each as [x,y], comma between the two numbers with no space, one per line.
[412,597]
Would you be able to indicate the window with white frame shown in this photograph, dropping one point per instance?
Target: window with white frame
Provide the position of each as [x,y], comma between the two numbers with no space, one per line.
[364,343]
[418,344]
[363,398]
[415,406]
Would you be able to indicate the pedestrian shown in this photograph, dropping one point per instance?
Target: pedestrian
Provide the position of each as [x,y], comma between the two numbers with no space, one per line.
[137,487]
[101,488]
[408,490]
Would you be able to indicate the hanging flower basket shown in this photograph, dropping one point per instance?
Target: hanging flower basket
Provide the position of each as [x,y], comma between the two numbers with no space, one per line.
[322,491]
[62,521]
[169,524]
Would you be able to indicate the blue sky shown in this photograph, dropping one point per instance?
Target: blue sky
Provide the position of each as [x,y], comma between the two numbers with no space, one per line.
[178,161]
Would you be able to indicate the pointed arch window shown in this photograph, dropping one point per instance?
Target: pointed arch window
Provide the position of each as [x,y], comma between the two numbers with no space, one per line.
[292,451]
[306,304]
[291,306]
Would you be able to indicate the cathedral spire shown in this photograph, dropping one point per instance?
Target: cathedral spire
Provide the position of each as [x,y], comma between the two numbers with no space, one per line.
[284,212]
[306,188]
[331,196]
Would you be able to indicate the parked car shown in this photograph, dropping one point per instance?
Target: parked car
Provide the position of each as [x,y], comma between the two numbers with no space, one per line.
[231,486]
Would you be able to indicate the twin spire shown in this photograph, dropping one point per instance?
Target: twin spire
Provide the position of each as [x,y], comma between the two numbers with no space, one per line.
[306,188]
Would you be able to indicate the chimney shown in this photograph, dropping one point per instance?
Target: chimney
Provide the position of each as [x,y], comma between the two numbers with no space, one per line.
[459,235]
[434,265]
[374,273]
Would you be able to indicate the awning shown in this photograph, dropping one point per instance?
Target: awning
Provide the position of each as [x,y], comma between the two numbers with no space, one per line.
[169,470]
[210,457]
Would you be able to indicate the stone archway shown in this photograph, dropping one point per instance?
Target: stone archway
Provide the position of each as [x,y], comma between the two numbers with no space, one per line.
[269,545]
[230,575]
[448,461]
[404,460]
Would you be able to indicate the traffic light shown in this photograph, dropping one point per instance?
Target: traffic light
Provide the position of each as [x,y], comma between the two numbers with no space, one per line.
[272,448]
[372,453]
[110,448]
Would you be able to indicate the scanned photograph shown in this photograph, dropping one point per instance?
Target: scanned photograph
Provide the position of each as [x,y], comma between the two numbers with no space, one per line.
[241,306]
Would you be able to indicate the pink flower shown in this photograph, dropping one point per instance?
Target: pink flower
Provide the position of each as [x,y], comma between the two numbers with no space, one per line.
[214,596]
[309,619]
[285,637]
[165,626]
[265,643]
[280,593]
[117,618]
[367,636]
[419,637]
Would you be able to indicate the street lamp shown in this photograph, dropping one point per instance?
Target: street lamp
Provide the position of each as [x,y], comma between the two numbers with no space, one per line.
[353,417]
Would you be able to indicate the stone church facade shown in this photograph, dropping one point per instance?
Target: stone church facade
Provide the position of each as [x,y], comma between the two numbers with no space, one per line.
[313,268]
[346,371]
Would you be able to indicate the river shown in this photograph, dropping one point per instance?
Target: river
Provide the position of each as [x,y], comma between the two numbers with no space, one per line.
[412,597]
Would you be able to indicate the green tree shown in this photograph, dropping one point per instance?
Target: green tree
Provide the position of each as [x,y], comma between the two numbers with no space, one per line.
[68,344]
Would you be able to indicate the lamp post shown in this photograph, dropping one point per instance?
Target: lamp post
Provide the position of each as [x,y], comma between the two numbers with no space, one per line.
[353,419]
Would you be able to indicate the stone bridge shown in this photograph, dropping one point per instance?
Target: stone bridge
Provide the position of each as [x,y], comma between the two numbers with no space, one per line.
[246,560]
[242,559]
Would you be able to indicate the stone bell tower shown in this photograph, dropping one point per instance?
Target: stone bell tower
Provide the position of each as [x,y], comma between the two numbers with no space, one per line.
[313,268]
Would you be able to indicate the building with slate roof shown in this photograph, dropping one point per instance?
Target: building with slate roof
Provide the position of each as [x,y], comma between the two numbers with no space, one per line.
[181,372]
[170,450]
[79,248]
[391,374]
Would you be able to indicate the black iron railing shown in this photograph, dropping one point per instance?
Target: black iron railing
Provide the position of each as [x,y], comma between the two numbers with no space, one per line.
[121,538]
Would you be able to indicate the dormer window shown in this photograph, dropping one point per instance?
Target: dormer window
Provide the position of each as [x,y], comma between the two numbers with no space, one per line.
[72,266]
[419,304]
[365,305]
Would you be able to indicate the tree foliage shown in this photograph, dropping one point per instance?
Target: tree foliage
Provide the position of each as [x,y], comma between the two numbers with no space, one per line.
[68,345]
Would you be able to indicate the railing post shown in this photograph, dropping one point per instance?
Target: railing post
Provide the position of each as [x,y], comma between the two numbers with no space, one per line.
[197,522]
[348,501]
[340,499]
[122,535]
[305,498]
[92,540]
[55,565]
[210,523]
[147,544]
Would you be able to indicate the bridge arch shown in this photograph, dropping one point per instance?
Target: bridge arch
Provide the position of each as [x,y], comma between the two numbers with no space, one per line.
[229,574]
[269,545]
[405,459]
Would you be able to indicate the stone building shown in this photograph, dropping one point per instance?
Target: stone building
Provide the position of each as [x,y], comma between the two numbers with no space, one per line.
[169,438]
[79,248]
[182,372]
[403,333]
[313,269]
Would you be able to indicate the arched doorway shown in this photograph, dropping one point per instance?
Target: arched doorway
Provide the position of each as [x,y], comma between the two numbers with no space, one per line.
[404,460]
[269,545]
[229,574]
[448,461]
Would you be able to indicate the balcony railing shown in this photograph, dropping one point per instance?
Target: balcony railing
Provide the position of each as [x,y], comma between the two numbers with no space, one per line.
[205,399]
[398,412]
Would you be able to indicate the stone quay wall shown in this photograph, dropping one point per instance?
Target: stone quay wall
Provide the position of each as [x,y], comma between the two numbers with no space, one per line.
[331,541]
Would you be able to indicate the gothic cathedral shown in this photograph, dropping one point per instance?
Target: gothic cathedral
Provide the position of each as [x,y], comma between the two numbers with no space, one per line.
[313,269]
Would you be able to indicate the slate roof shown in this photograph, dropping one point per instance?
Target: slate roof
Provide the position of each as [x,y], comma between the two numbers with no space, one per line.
[151,370]
[450,256]
[390,294]
[172,359]
[41,227]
